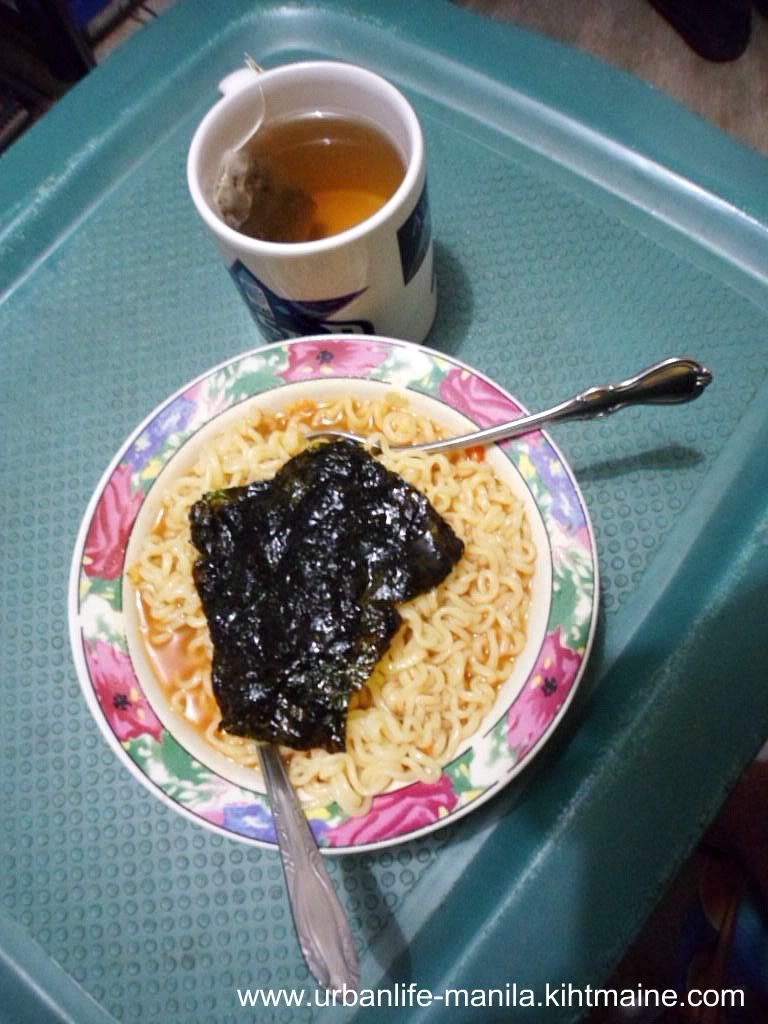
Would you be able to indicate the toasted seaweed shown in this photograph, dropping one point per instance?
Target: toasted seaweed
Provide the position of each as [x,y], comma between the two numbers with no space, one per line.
[299,577]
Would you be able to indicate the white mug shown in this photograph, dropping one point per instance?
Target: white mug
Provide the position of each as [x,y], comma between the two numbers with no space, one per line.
[374,278]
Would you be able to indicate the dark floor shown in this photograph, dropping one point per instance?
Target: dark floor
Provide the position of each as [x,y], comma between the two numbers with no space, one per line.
[632,35]
[42,55]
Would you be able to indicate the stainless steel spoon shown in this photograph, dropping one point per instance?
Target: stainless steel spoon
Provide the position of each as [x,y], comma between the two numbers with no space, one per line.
[668,382]
[321,925]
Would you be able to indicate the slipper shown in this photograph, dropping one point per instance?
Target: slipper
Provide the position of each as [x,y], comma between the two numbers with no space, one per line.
[717,30]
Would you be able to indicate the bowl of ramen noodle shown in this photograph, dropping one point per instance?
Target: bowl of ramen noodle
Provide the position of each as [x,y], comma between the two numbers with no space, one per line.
[482,666]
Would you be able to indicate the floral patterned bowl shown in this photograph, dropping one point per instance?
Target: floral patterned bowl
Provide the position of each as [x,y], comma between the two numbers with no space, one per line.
[168,756]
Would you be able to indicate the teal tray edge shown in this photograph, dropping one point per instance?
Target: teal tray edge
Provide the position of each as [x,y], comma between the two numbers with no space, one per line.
[36,990]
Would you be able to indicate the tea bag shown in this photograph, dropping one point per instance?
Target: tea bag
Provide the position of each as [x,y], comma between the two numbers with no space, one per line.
[239,176]
[250,199]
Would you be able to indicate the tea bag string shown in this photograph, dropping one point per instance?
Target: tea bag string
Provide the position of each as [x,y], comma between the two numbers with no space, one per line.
[257,70]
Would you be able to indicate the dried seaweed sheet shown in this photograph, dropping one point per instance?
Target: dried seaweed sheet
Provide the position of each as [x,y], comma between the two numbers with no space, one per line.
[299,577]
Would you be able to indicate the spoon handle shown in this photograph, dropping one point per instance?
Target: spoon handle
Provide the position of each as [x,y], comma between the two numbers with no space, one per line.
[667,382]
[321,926]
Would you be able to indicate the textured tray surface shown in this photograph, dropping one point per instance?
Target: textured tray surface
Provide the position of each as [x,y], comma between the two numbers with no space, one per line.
[555,271]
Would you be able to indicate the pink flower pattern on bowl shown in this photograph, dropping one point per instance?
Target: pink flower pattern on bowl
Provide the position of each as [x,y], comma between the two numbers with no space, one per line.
[476,398]
[333,358]
[548,686]
[100,641]
[111,525]
[124,705]
[392,814]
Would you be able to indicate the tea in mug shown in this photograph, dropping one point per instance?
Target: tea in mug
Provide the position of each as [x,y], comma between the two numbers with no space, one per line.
[309,177]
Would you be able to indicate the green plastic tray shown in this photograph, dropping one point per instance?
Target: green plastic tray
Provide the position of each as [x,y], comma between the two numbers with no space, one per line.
[585,225]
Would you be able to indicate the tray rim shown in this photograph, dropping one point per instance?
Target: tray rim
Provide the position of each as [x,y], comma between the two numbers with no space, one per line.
[689,162]
[73,136]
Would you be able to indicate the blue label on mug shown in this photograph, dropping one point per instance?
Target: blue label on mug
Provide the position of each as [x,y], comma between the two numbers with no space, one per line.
[413,237]
[281,318]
